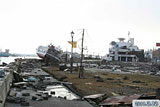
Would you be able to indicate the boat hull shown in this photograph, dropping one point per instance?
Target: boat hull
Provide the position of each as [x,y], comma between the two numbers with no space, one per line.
[40,55]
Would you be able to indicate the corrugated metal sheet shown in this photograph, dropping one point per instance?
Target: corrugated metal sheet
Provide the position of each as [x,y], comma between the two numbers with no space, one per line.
[120,100]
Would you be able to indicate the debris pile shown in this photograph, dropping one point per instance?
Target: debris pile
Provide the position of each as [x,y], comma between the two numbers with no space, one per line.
[38,88]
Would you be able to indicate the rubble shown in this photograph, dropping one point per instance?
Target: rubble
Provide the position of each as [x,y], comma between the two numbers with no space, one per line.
[38,87]
[62,78]
[110,79]
[25,103]
[119,101]
[99,80]
[137,81]
[125,78]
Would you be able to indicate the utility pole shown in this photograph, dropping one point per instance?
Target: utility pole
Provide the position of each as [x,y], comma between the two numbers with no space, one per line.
[81,73]
[66,58]
[71,60]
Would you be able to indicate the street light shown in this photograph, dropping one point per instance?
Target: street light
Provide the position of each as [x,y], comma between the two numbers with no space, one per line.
[71,60]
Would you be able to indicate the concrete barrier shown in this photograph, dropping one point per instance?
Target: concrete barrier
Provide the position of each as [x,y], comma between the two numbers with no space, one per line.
[5,87]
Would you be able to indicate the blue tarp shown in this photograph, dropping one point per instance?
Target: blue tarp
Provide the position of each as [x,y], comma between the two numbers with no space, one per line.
[31,79]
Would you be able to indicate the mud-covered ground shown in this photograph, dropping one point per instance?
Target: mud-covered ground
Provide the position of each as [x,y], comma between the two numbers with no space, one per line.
[107,82]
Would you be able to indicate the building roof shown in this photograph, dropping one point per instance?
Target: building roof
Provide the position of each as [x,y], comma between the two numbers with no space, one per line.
[116,100]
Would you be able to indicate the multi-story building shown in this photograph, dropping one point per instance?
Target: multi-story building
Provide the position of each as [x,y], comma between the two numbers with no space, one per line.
[125,51]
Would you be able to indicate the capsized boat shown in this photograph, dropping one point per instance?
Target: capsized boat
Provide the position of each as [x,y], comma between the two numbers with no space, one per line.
[41,51]
[49,51]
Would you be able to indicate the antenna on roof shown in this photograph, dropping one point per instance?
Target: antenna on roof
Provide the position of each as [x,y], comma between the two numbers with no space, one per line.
[128,35]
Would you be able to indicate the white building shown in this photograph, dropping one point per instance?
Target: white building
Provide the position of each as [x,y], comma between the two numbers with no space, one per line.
[124,51]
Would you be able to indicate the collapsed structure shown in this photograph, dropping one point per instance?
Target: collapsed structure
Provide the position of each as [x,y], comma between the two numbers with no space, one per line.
[125,51]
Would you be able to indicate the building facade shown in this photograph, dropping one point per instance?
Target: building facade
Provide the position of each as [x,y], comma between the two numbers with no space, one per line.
[125,51]
[156,55]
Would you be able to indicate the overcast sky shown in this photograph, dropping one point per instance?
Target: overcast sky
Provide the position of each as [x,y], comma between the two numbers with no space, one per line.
[26,24]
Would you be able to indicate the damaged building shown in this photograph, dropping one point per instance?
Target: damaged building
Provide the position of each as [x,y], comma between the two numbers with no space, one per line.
[156,55]
[125,51]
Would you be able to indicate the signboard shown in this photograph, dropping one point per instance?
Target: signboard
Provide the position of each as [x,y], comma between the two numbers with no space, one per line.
[157,44]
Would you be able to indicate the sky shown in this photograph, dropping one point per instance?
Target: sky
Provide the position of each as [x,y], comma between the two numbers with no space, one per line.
[26,24]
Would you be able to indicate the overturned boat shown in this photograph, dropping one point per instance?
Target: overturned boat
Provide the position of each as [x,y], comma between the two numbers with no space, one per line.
[41,51]
[49,53]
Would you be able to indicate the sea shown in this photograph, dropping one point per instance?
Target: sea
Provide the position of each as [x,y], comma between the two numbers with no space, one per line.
[12,59]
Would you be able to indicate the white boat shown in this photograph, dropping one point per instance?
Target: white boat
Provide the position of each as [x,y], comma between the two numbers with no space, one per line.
[49,51]
[42,51]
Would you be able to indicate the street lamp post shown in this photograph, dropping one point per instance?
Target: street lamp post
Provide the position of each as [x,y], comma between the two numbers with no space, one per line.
[71,60]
